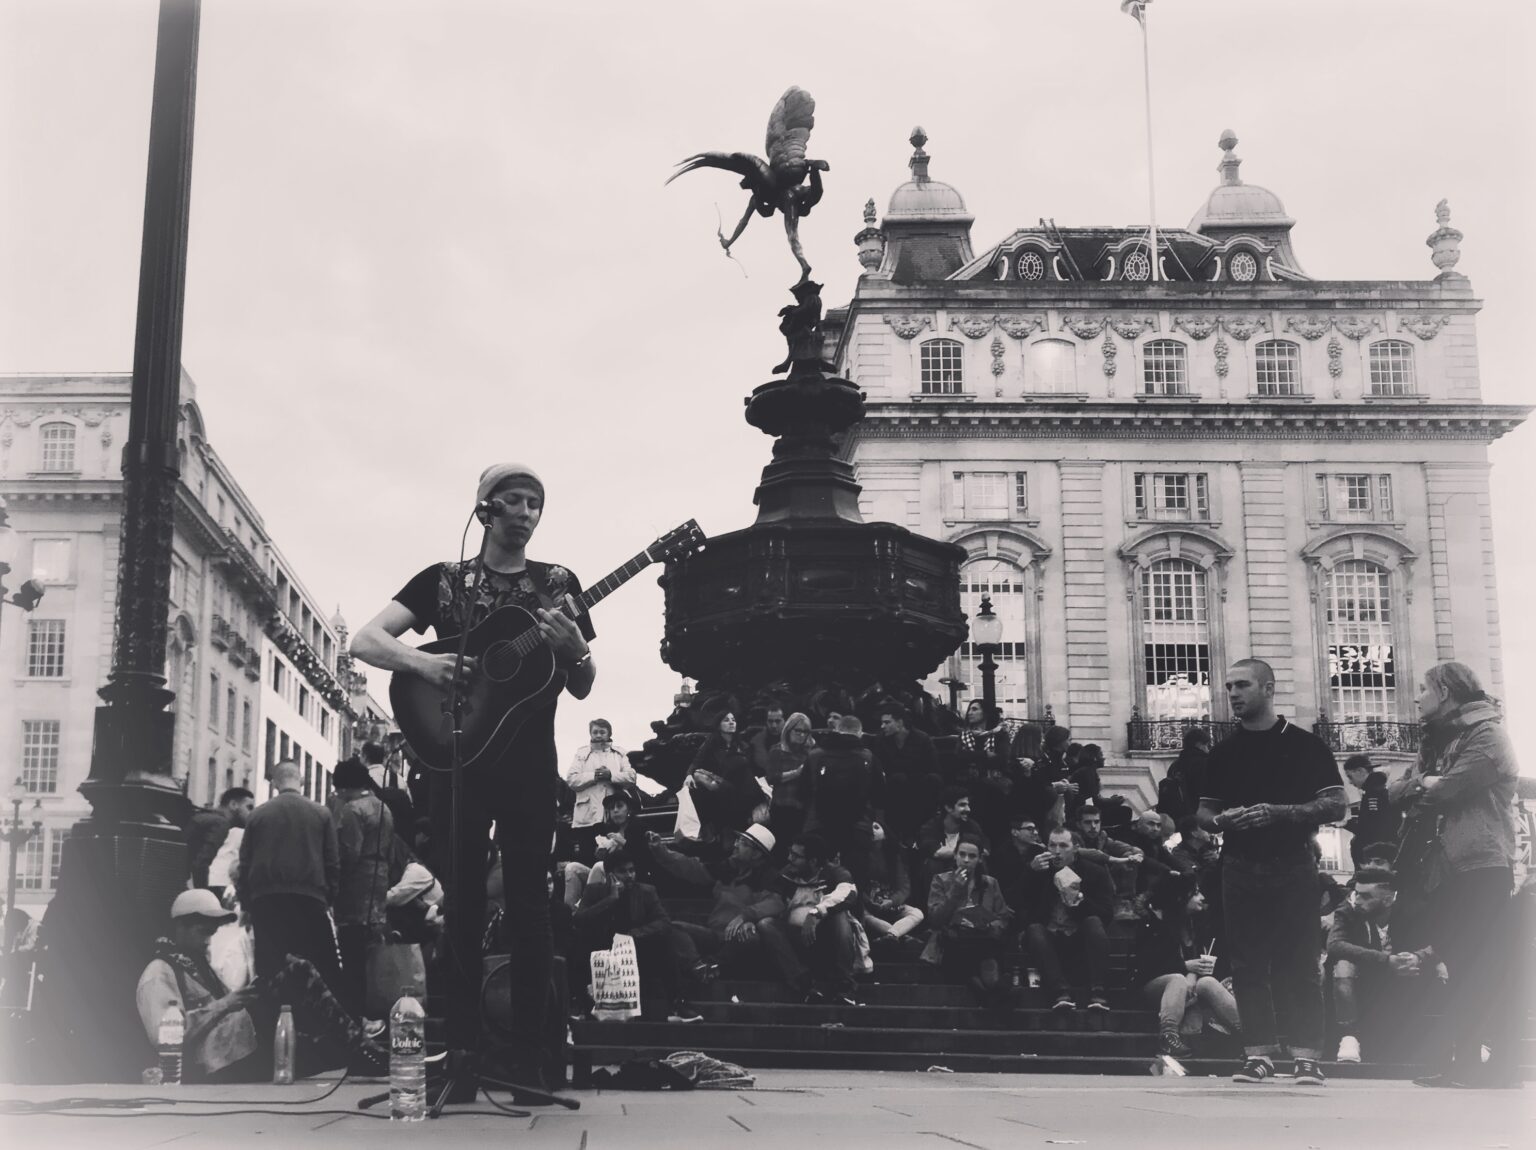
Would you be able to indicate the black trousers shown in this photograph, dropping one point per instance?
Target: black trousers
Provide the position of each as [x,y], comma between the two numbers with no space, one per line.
[521,804]
[294,924]
[1272,921]
[1470,921]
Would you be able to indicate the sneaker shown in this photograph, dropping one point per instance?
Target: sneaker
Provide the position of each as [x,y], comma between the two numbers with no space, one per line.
[1064,1002]
[1171,1043]
[368,1060]
[373,1027]
[1308,1073]
[1255,1069]
[683,1012]
[1349,1049]
[1098,1002]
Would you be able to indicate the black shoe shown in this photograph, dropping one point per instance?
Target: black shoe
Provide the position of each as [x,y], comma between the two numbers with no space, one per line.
[1064,1002]
[683,1012]
[1255,1069]
[1172,1043]
[1307,1072]
[1098,1002]
[368,1060]
[817,998]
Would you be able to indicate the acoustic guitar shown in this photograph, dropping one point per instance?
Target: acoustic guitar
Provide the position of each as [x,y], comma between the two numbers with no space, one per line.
[516,673]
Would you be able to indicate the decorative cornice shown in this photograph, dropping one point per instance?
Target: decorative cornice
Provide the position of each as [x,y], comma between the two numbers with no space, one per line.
[1205,421]
[1424,326]
[974,326]
[1019,326]
[1085,327]
[1196,326]
[1130,327]
[1309,327]
[1357,327]
[1244,327]
[908,326]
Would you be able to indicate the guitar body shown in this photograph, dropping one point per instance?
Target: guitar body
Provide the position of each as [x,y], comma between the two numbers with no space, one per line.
[498,698]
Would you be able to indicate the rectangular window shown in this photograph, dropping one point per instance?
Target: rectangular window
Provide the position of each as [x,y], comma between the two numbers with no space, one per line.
[271,754]
[1164,369]
[325,723]
[309,775]
[1175,495]
[304,703]
[29,870]
[45,648]
[178,581]
[286,751]
[941,367]
[982,494]
[1021,493]
[1277,368]
[213,700]
[277,674]
[50,560]
[245,726]
[56,841]
[230,707]
[1391,368]
[223,509]
[40,756]
[1355,498]
[58,447]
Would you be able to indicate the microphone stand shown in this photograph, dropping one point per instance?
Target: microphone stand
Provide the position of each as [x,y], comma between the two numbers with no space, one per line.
[465,1078]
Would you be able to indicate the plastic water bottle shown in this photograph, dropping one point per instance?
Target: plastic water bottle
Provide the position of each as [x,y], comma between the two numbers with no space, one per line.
[283,1049]
[173,1029]
[407,1059]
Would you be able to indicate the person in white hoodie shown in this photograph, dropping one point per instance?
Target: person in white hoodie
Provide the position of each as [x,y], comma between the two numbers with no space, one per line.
[596,771]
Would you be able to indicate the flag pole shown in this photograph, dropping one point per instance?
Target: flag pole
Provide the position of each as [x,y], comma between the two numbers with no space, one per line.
[1146,77]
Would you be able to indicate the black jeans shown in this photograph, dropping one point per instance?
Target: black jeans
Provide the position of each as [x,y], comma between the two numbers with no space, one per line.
[295,924]
[1273,934]
[1470,920]
[519,799]
[1087,947]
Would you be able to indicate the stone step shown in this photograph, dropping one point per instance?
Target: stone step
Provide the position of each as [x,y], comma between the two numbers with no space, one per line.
[904,1015]
[884,993]
[712,1036]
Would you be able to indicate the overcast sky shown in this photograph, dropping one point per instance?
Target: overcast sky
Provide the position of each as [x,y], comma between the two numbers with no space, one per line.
[430,235]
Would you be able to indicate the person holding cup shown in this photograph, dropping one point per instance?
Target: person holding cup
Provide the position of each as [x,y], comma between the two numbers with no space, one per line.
[1174,969]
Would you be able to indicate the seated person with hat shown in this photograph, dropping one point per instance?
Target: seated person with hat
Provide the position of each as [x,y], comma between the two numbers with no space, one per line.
[229,1033]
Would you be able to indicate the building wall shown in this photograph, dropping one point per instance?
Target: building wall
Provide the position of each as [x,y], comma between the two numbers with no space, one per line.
[1268,550]
[65,510]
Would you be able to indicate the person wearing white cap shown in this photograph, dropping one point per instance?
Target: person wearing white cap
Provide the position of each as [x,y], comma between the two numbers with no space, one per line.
[228,1035]
[518,792]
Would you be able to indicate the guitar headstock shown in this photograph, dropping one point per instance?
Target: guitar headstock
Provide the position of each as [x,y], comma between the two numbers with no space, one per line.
[678,542]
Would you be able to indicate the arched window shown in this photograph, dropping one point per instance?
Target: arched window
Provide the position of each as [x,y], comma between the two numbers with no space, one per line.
[58,440]
[1277,367]
[941,367]
[1050,365]
[1164,370]
[1138,268]
[1362,671]
[1245,269]
[1031,265]
[1176,640]
[1392,368]
[1003,582]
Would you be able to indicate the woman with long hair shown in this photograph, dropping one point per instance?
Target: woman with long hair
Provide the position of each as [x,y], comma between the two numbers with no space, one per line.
[793,784]
[1173,968]
[1457,854]
[725,791]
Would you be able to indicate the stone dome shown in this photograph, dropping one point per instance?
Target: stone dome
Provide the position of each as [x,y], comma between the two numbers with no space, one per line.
[921,198]
[1235,204]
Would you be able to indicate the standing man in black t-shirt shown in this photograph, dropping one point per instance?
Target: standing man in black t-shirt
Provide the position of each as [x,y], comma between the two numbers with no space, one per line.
[518,792]
[1268,787]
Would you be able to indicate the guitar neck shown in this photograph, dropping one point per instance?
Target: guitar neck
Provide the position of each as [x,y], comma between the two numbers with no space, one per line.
[589,598]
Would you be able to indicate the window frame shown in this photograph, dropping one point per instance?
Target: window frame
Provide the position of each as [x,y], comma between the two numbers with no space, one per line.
[1385,359]
[1066,350]
[1165,369]
[46,771]
[1278,388]
[1144,496]
[69,457]
[67,579]
[37,660]
[935,378]
[1329,506]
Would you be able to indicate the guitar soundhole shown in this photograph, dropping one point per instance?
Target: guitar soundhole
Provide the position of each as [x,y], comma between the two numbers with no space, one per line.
[500,662]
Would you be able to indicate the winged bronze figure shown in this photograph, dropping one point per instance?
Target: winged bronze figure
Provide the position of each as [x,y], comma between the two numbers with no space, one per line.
[775,183]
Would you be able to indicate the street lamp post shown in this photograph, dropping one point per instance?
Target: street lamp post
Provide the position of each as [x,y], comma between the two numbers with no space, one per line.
[30,593]
[987,637]
[17,836]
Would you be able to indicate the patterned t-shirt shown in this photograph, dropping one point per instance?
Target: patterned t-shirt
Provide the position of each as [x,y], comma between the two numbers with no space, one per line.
[444,595]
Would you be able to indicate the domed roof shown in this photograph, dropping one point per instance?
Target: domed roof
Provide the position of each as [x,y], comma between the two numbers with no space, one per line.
[1235,204]
[921,198]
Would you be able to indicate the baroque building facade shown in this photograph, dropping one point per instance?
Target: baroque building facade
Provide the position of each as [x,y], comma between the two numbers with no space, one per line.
[1155,474]
[252,660]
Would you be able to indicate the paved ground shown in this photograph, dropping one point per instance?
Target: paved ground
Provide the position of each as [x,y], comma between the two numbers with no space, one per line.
[888,1110]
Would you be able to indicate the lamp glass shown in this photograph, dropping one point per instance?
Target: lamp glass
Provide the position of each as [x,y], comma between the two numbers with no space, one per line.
[987,628]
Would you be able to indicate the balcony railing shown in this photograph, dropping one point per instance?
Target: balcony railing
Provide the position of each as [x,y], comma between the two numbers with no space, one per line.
[1369,735]
[221,632]
[1168,734]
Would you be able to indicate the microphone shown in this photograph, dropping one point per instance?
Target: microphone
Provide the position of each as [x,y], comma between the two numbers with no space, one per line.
[489,508]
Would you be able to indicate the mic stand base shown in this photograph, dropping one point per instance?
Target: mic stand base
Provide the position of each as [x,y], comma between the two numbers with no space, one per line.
[466,1078]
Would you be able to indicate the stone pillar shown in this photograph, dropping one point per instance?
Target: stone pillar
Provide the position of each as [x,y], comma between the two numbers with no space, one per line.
[1083,572]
